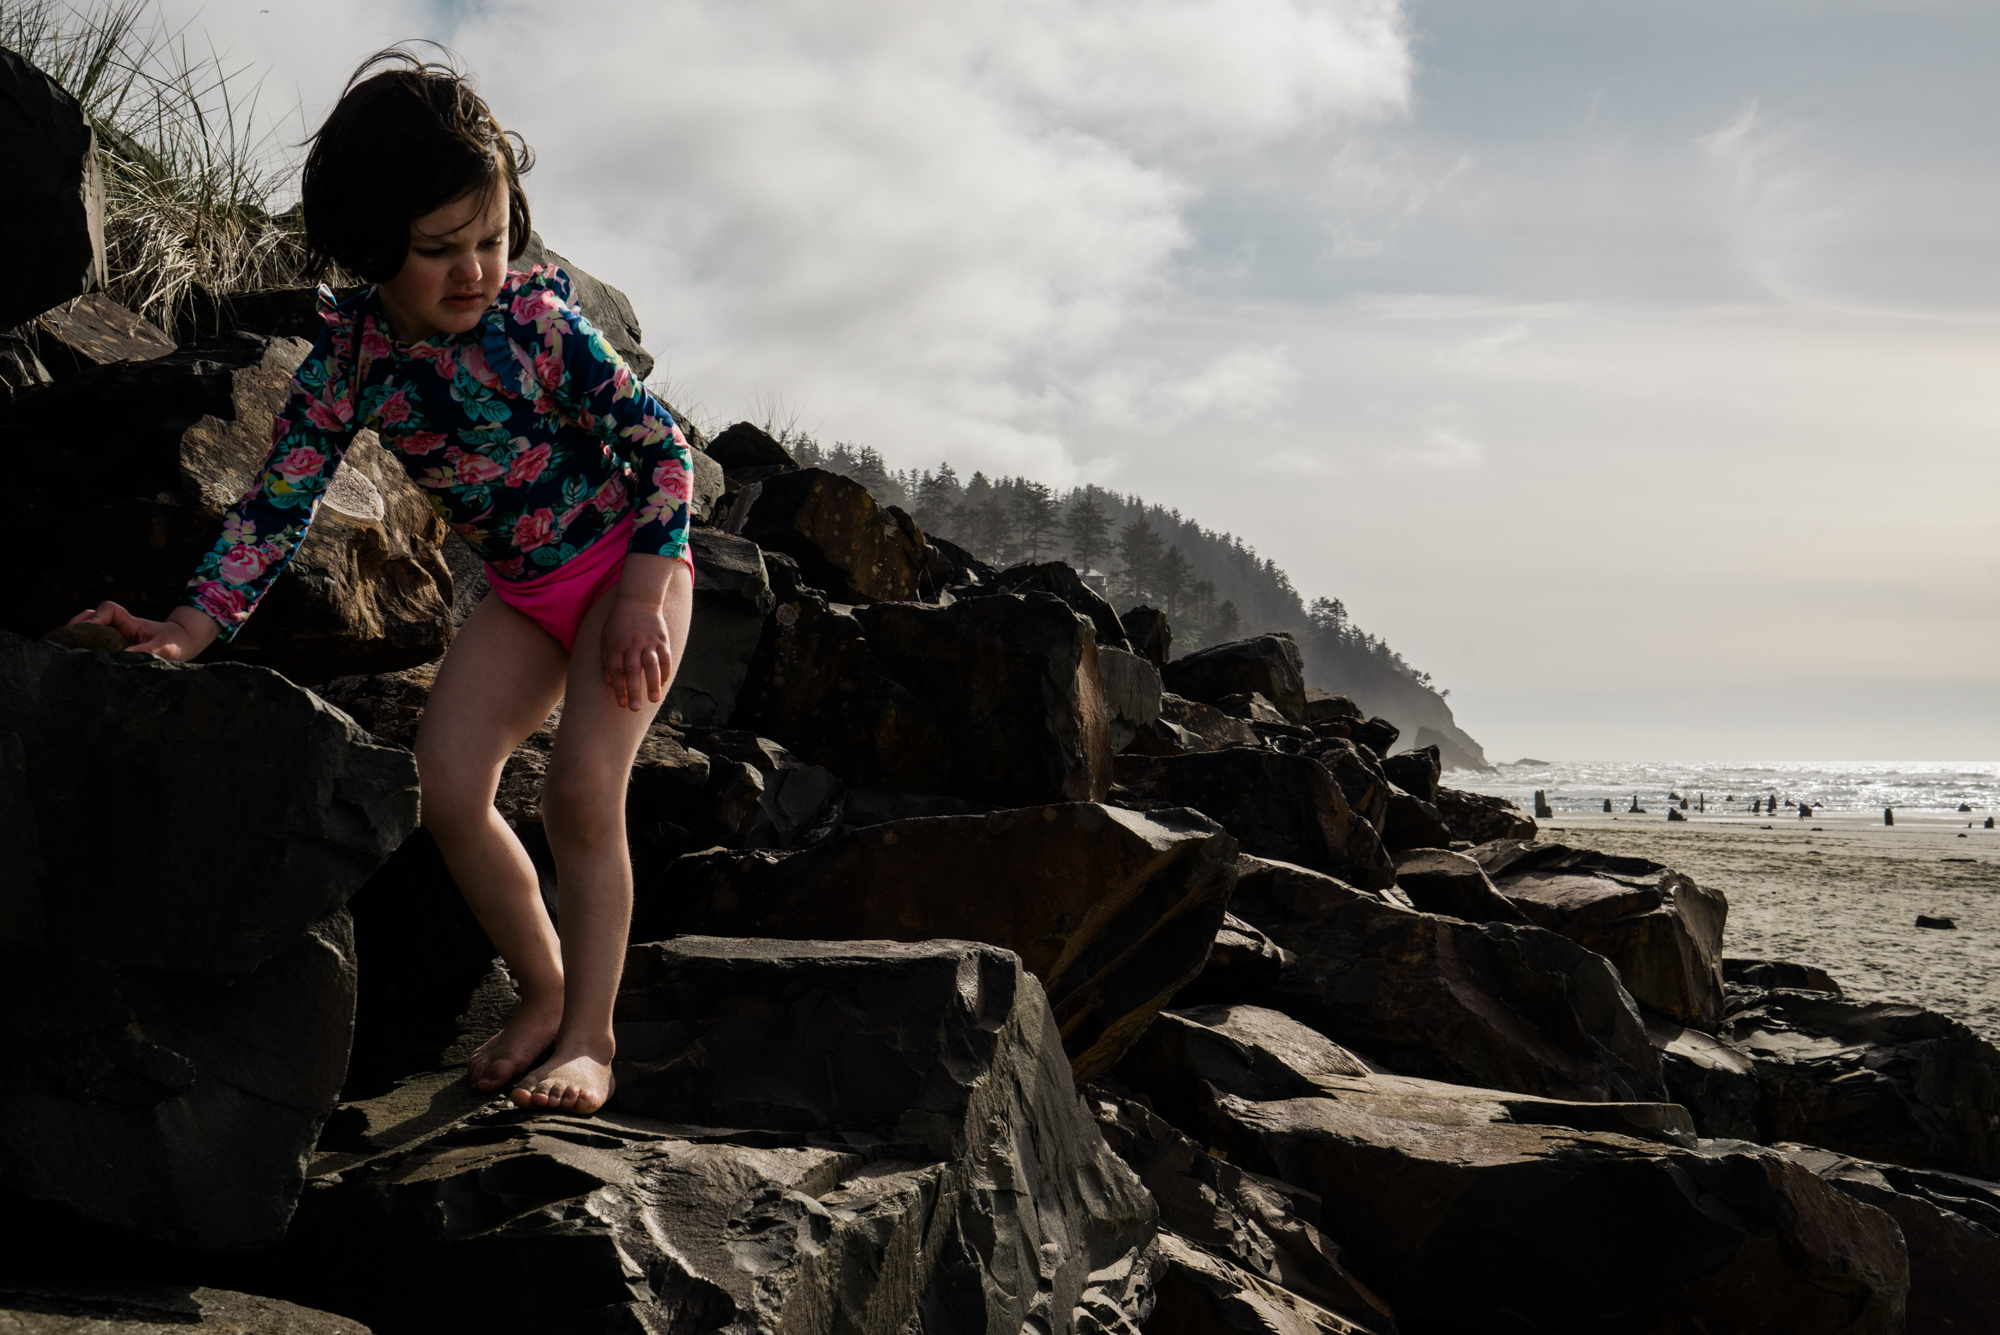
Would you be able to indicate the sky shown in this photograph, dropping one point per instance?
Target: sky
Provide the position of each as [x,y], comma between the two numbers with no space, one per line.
[1629,367]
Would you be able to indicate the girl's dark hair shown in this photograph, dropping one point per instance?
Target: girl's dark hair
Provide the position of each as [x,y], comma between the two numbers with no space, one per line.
[407,136]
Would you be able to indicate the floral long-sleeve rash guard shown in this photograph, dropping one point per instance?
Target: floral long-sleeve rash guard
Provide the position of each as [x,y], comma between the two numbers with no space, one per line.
[527,431]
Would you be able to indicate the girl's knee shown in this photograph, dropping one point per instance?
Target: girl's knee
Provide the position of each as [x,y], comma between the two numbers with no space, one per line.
[582,807]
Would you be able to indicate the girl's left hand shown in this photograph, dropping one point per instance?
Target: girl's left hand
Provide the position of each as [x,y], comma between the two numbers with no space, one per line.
[637,654]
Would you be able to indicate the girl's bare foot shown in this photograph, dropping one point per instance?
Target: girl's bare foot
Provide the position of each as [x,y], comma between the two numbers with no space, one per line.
[572,1080]
[501,1059]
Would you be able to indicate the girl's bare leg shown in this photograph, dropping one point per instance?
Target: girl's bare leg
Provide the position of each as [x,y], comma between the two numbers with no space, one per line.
[583,810]
[497,684]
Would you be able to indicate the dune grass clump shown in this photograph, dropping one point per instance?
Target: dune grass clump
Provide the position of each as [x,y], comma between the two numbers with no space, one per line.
[196,180]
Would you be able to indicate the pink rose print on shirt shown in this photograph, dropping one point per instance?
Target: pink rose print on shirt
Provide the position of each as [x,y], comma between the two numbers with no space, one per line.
[422,442]
[474,360]
[471,469]
[242,563]
[395,409]
[529,466]
[673,478]
[373,344]
[508,569]
[535,530]
[220,601]
[330,416]
[303,461]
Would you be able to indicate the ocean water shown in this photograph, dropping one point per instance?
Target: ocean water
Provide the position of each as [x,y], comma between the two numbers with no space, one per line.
[1918,787]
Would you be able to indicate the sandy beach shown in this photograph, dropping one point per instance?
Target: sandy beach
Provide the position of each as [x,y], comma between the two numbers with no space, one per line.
[1842,892]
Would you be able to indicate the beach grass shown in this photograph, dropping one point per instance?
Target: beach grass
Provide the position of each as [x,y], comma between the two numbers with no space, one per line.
[197,171]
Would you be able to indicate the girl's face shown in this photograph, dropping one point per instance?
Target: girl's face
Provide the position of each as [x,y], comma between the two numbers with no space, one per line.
[457,261]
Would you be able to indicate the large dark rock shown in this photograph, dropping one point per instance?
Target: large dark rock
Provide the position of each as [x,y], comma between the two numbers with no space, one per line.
[1242,964]
[42,1307]
[732,596]
[54,220]
[1765,974]
[815,685]
[1409,822]
[1713,1081]
[1326,707]
[1277,806]
[1254,1241]
[1358,774]
[1111,911]
[1488,1004]
[806,1136]
[845,543]
[95,331]
[746,445]
[1440,881]
[1482,819]
[1884,1081]
[368,590]
[1131,695]
[1950,1224]
[1269,665]
[1377,734]
[1014,682]
[1415,772]
[1151,634]
[188,1023]
[1470,1209]
[1663,931]
[1060,579]
[1212,728]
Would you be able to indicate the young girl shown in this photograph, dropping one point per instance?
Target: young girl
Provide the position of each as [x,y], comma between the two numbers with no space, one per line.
[547,456]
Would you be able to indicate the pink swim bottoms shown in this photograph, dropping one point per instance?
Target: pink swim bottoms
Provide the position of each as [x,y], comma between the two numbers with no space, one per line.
[558,600]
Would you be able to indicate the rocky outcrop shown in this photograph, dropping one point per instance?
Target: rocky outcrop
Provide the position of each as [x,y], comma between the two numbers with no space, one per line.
[55,193]
[1268,665]
[1061,580]
[95,331]
[1277,806]
[732,596]
[1663,931]
[1131,695]
[1212,729]
[1151,635]
[45,1307]
[1482,819]
[938,1174]
[1893,1083]
[1111,911]
[1239,1248]
[1013,682]
[1415,772]
[188,1025]
[1509,1212]
[845,543]
[1454,885]
[1491,1004]
[368,590]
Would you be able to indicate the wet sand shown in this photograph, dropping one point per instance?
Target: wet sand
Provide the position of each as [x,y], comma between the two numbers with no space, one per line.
[1844,896]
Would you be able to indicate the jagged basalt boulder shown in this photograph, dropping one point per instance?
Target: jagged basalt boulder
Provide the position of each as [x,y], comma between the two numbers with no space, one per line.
[844,541]
[1112,911]
[1268,665]
[1358,773]
[1212,729]
[1061,580]
[1255,1243]
[368,590]
[1476,1209]
[188,1025]
[1377,735]
[1151,634]
[807,1136]
[1712,1080]
[46,1307]
[1438,880]
[1487,1004]
[1482,819]
[54,218]
[1013,681]
[1415,772]
[1409,822]
[95,331]
[1277,806]
[815,685]
[1131,695]
[1885,1081]
[732,596]
[1662,930]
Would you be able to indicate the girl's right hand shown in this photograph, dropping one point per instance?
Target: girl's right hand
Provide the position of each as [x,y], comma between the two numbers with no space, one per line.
[185,632]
